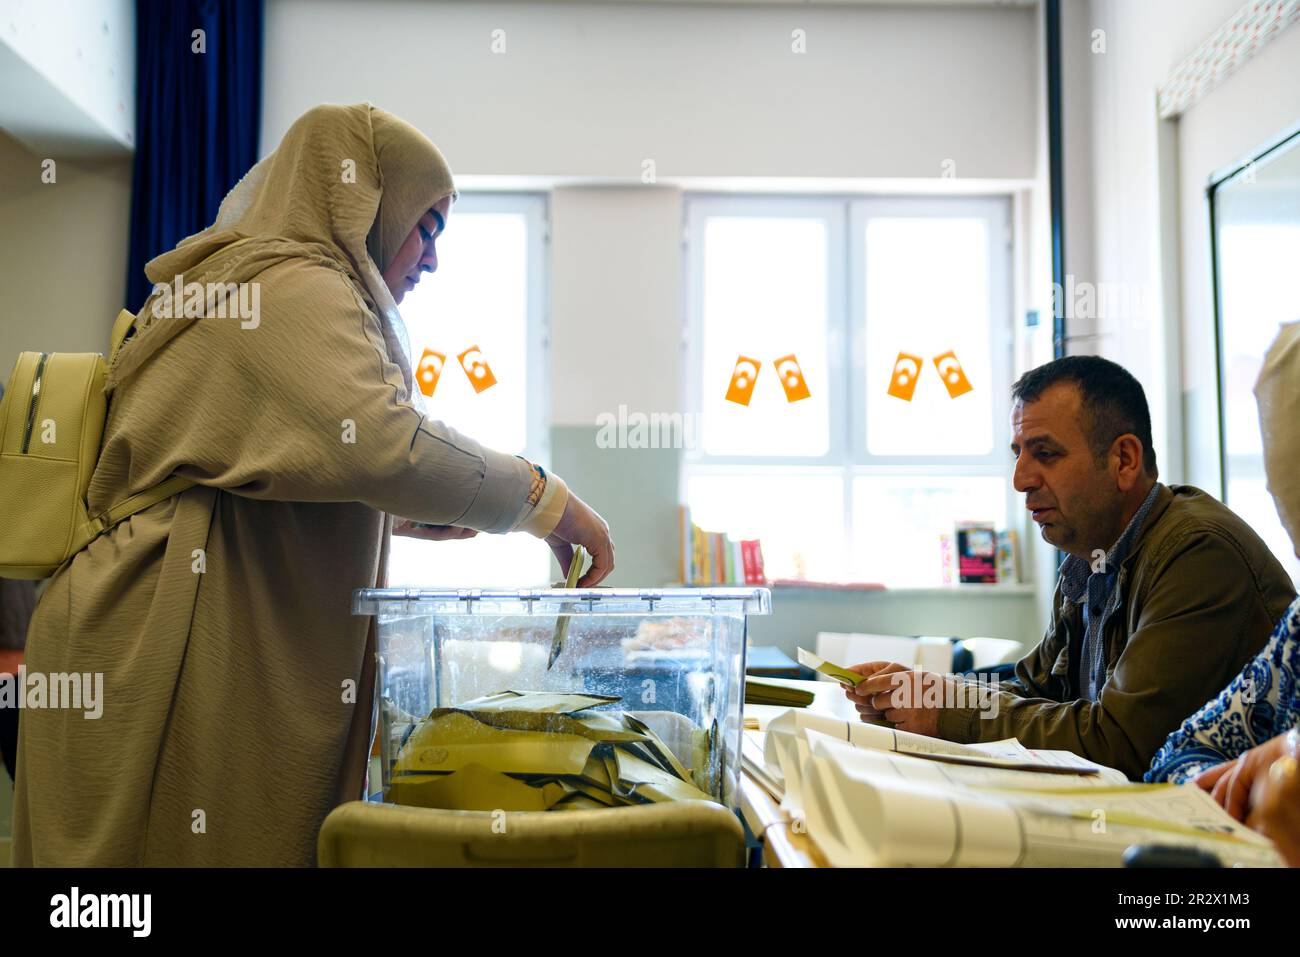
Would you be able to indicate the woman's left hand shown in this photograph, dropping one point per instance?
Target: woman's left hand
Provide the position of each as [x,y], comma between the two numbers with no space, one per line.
[1275,801]
[431,533]
[1230,783]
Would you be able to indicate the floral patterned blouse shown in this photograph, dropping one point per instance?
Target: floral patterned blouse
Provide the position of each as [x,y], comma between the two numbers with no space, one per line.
[1260,703]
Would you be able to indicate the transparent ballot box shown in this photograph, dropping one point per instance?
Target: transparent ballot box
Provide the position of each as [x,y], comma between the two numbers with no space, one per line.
[642,704]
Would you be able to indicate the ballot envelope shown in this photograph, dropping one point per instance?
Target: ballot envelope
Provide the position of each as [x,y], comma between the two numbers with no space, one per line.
[643,703]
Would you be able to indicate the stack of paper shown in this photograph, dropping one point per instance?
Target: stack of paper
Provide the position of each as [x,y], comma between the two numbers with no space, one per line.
[769,692]
[754,764]
[539,751]
[882,797]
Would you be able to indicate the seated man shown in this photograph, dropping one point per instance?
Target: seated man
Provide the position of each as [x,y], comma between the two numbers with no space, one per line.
[1163,596]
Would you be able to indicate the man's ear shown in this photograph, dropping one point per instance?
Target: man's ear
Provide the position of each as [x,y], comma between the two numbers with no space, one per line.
[1127,452]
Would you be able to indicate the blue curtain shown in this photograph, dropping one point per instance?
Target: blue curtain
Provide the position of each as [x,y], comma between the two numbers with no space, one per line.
[196,118]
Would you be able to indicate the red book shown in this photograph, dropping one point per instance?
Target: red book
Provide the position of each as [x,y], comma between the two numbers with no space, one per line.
[753,555]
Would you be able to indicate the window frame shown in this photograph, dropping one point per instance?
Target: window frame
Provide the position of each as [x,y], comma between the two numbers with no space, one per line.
[848,456]
[1219,181]
[535,208]
[699,207]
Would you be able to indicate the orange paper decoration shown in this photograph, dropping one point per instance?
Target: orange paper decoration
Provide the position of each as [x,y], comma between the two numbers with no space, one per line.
[480,374]
[429,371]
[952,374]
[902,383]
[743,377]
[792,380]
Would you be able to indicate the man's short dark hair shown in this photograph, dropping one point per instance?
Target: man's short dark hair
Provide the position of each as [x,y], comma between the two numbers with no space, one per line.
[1113,399]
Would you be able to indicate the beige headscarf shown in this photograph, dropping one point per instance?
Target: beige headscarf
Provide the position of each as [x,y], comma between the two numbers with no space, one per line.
[345,187]
[1278,394]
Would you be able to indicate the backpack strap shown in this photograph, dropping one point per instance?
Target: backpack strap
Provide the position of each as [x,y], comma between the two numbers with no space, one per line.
[123,510]
[121,326]
[142,500]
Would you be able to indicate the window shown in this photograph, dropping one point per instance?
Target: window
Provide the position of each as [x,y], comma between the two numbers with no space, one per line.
[809,311]
[1256,212]
[487,293]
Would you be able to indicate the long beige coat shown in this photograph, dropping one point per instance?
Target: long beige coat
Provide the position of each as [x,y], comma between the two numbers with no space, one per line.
[237,690]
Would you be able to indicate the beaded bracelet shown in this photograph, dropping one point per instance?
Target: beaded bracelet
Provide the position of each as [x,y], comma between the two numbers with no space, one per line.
[538,485]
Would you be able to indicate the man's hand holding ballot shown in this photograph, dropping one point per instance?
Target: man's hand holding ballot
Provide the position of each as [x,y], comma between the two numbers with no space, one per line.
[908,699]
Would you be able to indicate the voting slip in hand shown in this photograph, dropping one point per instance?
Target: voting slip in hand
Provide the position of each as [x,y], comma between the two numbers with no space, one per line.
[850,679]
[562,622]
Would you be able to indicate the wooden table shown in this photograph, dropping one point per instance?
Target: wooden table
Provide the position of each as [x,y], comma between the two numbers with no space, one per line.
[784,845]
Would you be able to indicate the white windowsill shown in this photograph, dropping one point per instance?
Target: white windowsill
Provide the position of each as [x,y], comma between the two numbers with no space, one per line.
[989,591]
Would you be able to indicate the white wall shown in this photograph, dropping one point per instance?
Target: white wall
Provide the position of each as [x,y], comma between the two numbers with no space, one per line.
[63,271]
[67,68]
[616,301]
[67,72]
[1034,278]
[1115,161]
[1148,207]
[1249,109]
[593,90]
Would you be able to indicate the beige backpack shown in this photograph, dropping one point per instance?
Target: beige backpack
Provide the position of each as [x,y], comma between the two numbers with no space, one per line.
[51,424]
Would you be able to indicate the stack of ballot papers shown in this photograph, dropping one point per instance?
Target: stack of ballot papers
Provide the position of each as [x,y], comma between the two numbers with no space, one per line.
[758,691]
[876,796]
[542,751]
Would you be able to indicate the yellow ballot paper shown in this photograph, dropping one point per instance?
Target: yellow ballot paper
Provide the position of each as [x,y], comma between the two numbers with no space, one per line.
[448,742]
[595,773]
[562,622]
[768,692]
[596,727]
[845,677]
[558,703]
[661,751]
[473,788]
[645,780]
[543,751]
[579,786]
[578,802]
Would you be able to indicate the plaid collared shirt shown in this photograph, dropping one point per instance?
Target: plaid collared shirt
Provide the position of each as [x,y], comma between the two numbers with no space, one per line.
[1095,585]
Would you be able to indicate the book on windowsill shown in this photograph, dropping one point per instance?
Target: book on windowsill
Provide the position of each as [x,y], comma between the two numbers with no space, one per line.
[713,558]
[965,558]
[977,553]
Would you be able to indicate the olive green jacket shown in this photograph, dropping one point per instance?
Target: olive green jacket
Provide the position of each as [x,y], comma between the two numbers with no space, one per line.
[1199,594]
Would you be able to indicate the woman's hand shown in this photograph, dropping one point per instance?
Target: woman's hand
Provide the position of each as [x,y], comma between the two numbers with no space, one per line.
[432,533]
[1275,810]
[581,525]
[1230,783]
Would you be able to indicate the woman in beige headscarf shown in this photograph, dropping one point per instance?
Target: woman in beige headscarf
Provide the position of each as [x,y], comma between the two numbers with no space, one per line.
[237,684]
[1242,746]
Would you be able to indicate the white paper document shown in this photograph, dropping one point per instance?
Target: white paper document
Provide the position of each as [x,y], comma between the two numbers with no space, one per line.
[876,797]
[1008,753]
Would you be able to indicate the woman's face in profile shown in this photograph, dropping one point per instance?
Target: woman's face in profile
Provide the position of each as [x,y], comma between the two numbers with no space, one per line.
[417,254]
